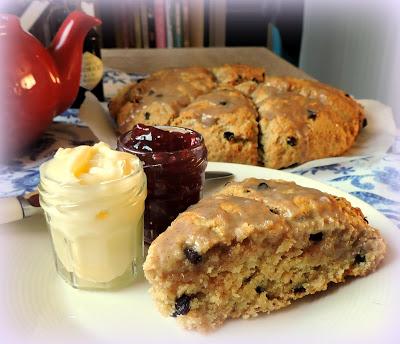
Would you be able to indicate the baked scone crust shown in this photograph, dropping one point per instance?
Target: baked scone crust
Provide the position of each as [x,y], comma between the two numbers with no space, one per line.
[159,98]
[227,120]
[303,120]
[235,74]
[243,77]
[254,247]
[120,99]
[298,120]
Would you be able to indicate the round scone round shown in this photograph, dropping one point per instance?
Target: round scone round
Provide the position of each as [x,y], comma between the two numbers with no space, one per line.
[296,120]
[303,120]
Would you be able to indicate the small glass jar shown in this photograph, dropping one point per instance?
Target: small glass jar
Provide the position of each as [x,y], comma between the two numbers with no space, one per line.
[96,230]
[175,180]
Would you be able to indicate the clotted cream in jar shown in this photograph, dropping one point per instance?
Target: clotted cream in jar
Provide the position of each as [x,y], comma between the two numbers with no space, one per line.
[93,198]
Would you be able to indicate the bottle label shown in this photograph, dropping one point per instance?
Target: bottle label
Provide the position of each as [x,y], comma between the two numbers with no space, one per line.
[92,71]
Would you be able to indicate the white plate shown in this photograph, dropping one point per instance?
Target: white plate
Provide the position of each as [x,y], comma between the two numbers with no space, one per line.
[37,306]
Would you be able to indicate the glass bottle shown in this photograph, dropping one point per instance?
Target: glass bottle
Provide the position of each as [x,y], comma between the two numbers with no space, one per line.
[92,69]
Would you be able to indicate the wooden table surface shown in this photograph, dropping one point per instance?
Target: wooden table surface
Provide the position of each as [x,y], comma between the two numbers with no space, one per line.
[150,60]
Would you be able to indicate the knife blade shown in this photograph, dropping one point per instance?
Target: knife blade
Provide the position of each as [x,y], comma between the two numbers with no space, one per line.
[218,175]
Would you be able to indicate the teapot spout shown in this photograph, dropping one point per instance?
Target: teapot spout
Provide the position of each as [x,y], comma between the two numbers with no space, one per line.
[66,50]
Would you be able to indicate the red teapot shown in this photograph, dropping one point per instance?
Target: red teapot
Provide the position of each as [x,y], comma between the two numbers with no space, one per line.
[37,83]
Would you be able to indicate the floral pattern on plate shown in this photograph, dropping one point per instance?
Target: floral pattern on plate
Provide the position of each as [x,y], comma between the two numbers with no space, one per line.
[374,180]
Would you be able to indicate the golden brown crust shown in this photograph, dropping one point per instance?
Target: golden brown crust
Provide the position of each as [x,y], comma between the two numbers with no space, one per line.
[158,99]
[255,247]
[228,122]
[235,74]
[299,120]
[119,100]
[303,120]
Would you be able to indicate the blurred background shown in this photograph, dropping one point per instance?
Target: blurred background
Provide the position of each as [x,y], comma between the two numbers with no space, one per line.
[353,45]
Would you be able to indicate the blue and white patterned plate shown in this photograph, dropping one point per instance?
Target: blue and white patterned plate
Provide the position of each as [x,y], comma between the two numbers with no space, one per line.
[374,180]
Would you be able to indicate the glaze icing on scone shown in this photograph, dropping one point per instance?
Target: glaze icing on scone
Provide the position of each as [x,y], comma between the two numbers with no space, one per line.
[238,73]
[244,78]
[254,247]
[227,120]
[158,99]
[296,120]
[303,120]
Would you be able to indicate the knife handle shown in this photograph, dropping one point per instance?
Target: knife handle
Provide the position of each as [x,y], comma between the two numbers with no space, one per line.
[10,210]
[16,208]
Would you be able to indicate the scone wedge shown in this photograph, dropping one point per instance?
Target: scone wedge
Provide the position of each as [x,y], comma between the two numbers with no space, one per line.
[159,98]
[303,120]
[255,247]
[227,120]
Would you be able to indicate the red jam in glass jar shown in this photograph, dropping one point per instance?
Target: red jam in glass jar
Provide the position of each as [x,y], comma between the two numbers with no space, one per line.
[174,161]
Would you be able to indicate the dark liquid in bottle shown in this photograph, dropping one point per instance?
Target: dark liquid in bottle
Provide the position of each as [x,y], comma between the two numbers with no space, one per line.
[92,46]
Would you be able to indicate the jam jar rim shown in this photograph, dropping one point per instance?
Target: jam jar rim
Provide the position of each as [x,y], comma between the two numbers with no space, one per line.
[121,144]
